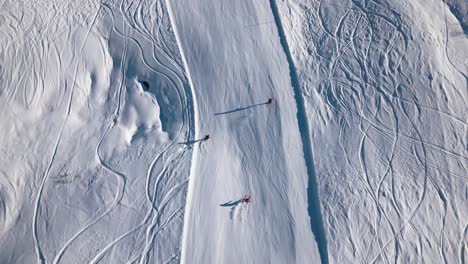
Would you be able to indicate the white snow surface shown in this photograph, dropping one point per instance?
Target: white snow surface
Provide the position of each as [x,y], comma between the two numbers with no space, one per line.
[361,158]
[386,94]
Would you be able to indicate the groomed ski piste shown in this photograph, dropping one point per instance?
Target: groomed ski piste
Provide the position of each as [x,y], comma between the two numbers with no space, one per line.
[360,157]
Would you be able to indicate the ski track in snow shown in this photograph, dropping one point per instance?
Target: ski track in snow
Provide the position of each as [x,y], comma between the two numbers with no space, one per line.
[154,227]
[196,134]
[165,184]
[380,92]
[397,157]
[313,196]
[121,178]
[39,252]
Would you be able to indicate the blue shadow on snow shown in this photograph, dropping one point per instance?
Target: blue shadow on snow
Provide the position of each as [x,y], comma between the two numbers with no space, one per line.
[190,142]
[231,203]
[240,109]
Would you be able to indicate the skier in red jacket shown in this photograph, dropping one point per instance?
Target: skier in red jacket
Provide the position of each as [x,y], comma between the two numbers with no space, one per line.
[246,199]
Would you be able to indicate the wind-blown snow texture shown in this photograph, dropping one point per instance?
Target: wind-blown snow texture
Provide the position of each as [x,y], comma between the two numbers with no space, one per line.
[361,158]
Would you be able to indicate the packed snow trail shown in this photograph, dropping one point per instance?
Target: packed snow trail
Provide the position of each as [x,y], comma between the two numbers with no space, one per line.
[252,150]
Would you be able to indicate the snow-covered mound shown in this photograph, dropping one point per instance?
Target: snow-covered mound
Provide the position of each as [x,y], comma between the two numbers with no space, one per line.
[362,155]
[94,103]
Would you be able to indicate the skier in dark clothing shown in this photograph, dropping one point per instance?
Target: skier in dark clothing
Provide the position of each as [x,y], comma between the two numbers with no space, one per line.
[246,199]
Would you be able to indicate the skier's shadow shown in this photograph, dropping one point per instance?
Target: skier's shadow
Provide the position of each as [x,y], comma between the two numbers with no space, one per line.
[190,142]
[240,109]
[231,203]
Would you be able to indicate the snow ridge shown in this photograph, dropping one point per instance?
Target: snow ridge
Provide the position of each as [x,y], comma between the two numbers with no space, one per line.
[312,190]
[196,133]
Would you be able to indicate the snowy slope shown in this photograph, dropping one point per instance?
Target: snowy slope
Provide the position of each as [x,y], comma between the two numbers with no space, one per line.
[386,88]
[361,158]
[94,101]
[236,63]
